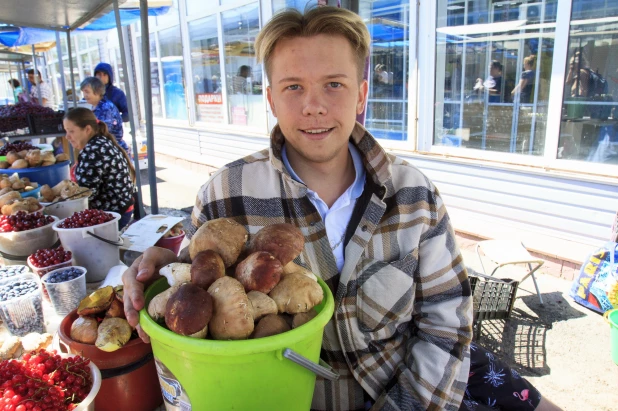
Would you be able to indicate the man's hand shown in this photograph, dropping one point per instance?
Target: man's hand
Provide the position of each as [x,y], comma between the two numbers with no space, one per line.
[143,271]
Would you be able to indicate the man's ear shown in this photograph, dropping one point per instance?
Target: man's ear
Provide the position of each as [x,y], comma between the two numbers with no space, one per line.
[269,97]
[363,90]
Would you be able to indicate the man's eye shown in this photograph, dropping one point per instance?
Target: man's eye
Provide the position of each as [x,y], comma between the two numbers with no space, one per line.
[335,84]
[293,87]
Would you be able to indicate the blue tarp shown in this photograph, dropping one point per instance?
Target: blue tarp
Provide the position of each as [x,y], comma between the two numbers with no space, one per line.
[22,36]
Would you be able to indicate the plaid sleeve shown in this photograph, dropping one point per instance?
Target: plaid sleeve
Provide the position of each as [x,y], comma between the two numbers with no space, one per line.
[434,372]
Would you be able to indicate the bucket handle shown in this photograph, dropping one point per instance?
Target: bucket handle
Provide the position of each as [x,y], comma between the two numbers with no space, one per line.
[322,369]
[118,243]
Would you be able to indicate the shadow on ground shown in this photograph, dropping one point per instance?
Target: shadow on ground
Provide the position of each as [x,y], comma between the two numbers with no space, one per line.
[144,176]
[520,340]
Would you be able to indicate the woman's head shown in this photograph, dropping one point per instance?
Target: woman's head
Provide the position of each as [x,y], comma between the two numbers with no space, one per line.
[93,90]
[530,62]
[81,125]
[14,83]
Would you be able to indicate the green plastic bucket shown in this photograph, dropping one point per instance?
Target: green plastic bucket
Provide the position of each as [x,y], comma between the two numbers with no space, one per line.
[612,318]
[255,374]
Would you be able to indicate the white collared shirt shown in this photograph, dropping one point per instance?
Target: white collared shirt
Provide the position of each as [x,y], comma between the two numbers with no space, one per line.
[337,217]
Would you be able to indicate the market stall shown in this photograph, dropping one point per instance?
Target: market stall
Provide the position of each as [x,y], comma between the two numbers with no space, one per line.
[56,250]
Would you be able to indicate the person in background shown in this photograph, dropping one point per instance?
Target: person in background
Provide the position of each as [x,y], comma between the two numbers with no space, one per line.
[525,87]
[44,88]
[17,89]
[240,84]
[102,164]
[493,83]
[93,90]
[104,72]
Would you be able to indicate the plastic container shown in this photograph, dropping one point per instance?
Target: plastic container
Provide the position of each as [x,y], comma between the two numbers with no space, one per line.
[50,175]
[23,243]
[171,243]
[65,209]
[129,377]
[238,375]
[611,317]
[36,193]
[11,270]
[23,314]
[40,272]
[66,296]
[95,255]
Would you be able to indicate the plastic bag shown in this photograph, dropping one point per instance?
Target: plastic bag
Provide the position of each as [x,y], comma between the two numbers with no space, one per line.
[596,286]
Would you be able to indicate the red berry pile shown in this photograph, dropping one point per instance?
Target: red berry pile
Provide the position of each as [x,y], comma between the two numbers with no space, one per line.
[49,256]
[44,381]
[22,221]
[86,218]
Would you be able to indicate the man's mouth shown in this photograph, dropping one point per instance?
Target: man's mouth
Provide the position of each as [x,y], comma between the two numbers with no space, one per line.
[317,133]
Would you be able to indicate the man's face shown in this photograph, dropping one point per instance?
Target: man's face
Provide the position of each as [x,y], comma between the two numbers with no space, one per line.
[31,77]
[102,76]
[315,94]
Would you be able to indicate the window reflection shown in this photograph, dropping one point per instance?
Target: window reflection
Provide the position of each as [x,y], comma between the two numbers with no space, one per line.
[206,70]
[493,66]
[173,73]
[242,73]
[589,129]
[157,110]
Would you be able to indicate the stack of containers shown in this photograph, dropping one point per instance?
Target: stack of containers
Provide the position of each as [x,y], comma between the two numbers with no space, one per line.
[21,306]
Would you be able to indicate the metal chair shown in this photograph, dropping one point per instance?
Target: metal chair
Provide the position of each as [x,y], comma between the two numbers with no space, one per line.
[507,252]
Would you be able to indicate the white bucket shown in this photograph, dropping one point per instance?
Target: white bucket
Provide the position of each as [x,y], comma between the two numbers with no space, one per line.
[88,403]
[66,208]
[95,255]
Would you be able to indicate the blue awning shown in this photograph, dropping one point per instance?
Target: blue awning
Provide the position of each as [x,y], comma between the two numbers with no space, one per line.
[11,36]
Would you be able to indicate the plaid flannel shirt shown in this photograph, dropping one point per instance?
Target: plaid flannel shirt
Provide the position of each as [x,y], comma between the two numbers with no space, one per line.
[403,307]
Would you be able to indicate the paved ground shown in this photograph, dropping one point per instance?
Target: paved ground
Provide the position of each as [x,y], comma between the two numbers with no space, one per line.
[563,348]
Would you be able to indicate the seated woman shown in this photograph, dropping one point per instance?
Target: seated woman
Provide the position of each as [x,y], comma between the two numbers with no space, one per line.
[93,90]
[102,164]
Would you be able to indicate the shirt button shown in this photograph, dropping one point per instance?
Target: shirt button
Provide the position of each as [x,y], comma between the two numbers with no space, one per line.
[364,228]
[312,224]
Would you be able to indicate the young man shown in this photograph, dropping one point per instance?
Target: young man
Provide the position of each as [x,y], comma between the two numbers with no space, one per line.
[376,229]
[105,73]
[46,93]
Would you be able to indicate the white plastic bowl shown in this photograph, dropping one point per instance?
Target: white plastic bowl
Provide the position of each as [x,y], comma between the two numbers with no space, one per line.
[24,243]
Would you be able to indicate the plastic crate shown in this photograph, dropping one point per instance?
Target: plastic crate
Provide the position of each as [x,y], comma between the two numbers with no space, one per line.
[15,126]
[47,123]
[493,299]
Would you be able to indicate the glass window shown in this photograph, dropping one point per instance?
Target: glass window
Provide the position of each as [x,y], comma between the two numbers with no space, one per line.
[493,70]
[87,68]
[82,41]
[206,70]
[589,127]
[243,75]
[119,74]
[200,6]
[171,17]
[157,110]
[173,73]
[387,105]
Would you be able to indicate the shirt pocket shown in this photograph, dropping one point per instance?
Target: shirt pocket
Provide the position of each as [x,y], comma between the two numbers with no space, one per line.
[385,294]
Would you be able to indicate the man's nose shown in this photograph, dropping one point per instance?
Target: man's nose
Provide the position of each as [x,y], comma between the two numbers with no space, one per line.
[314,102]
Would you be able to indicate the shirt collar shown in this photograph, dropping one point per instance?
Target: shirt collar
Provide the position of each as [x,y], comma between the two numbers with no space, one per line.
[356,189]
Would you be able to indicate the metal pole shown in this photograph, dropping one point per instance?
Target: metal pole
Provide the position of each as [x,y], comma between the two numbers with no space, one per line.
[152,174]
[36,77]
[61,68]
[11,79]
[24,78]
[123,58]
[71,66]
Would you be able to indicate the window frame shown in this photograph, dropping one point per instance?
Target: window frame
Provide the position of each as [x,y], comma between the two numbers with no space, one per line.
[427,26]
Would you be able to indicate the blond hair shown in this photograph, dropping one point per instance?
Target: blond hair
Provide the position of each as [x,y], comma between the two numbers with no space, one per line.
[530,61]
[321,20]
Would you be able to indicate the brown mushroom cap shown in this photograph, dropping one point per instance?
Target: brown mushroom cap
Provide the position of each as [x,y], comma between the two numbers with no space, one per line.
[261,271]
[188,310]
[284,241]
[272,324]
[207,266]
